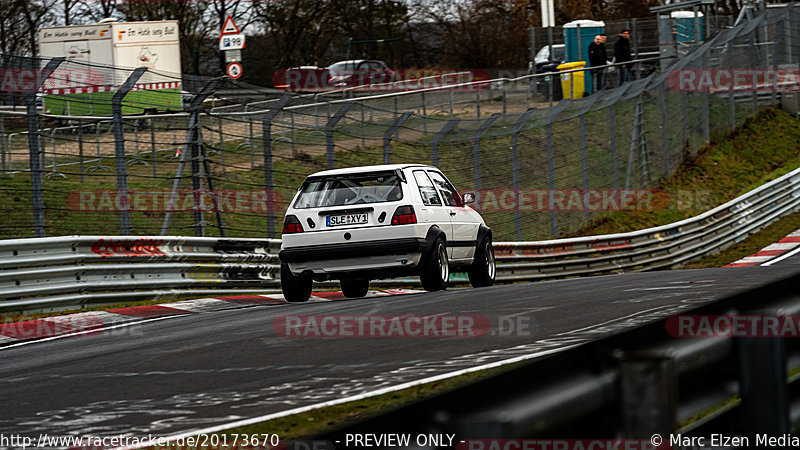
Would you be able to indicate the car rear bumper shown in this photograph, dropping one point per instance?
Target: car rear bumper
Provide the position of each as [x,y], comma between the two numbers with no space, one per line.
[327,252]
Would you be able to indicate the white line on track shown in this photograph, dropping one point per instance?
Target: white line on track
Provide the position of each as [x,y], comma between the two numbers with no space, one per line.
[96,330]
[782,257]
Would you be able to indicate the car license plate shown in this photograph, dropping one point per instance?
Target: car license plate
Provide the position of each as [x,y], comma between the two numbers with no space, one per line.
[346,219]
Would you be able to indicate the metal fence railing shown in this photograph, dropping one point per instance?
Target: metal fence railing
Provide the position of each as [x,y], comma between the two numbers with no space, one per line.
[651,381]
[194,160]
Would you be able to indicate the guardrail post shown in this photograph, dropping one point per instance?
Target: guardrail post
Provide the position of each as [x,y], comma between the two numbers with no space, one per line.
[37,192]
[648,396]
[476,149]
[612,132]
[523,119]
[387,136]
[438,138]
[269,182]
[330,127]
[119,149]
[662,97]
[762,385]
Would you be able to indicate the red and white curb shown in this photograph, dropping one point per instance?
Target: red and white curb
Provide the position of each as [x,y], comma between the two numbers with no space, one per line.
[97,321]
[772,253]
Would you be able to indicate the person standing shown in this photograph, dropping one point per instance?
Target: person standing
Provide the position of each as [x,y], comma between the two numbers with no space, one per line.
[597,59]
[622,54]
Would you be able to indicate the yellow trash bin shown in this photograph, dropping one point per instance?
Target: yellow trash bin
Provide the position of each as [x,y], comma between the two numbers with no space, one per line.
[572,82]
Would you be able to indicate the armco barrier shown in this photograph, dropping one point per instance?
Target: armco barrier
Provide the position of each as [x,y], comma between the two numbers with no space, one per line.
[624,389]
[69,271]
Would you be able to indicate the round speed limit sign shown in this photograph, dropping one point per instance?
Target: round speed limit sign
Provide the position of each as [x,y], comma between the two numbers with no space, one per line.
[234,70]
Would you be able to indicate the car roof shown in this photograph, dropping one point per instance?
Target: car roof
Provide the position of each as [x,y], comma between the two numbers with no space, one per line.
[365,169]
[350,61]
[356,61]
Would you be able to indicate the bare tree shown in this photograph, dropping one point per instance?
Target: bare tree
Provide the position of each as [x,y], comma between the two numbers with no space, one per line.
[301,29]
[35,14]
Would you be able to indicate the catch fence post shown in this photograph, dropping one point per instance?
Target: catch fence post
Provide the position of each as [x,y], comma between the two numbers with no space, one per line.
[330,127]
[119,149]
[37,192]
[269,180]
[523,119]
[387,136]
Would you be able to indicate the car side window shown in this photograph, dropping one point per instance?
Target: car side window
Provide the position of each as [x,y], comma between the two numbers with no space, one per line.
[449,193]
[426,189]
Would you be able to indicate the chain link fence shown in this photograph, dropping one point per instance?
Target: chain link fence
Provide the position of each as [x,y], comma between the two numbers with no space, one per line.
[102,150]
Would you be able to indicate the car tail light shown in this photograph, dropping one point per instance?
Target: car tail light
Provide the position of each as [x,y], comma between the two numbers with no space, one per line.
[291,224]
[404,215]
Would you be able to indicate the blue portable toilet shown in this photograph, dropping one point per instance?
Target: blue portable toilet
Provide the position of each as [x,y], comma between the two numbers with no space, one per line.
[684,25]
[574,52]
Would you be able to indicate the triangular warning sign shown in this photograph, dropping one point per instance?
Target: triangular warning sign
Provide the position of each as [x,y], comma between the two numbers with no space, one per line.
[229,27]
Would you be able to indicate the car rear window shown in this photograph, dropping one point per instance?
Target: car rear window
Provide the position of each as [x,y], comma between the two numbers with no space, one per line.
[350,189]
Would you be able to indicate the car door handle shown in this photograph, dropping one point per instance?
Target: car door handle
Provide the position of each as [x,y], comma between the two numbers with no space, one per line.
[452,213]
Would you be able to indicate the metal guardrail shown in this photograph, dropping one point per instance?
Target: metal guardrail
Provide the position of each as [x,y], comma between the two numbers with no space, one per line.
[654,248]
[628,387]
[69,271]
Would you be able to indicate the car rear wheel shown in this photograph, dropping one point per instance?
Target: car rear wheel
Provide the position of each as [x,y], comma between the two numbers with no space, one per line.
[483,269]
[296,288]
[436,271]
[354,288]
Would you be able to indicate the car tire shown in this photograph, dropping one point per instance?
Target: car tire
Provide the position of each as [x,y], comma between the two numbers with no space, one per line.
[436,270]
[354,288]
[483,269]
[296,288]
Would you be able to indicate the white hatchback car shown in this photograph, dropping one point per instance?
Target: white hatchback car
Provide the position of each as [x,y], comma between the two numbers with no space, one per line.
[372,222]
